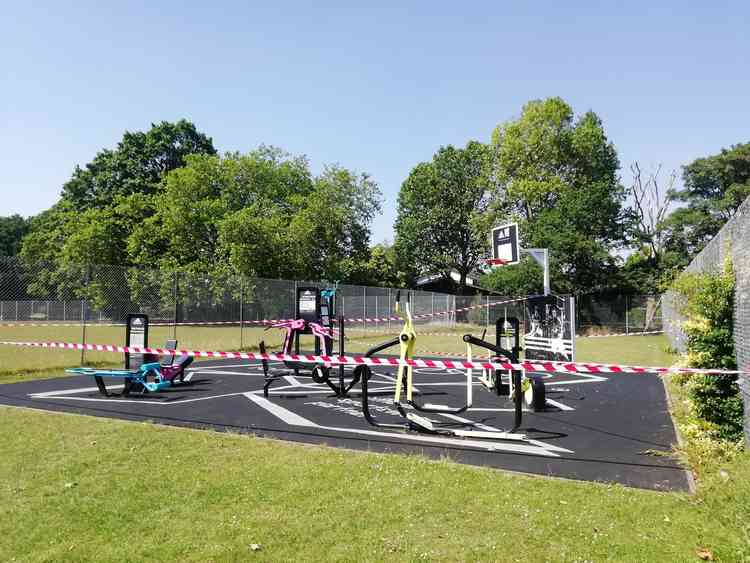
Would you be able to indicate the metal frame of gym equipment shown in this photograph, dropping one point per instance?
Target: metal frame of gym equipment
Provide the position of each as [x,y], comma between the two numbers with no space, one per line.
[404,382]
[143,373]
[313,315]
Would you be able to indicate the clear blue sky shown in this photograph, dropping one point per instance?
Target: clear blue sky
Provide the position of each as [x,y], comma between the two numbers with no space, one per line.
[377,87]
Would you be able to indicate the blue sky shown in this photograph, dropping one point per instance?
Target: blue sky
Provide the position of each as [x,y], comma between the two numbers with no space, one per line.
[376,87]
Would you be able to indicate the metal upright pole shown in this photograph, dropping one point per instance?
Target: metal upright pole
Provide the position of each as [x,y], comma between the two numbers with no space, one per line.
[364,309]
[176,305]
[87,275]
[83,329]
[390,308]
[242,317]
[627,317]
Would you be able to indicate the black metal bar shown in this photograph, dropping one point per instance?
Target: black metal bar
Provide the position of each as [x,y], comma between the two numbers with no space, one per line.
[363,373]
[491,347]
[380,347]
[343,389]
[518,398]
[267,380]
[101,386]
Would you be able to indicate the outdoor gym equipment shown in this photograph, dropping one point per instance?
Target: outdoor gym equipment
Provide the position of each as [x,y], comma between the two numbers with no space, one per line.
[313,315]
[148,377]
[404,384]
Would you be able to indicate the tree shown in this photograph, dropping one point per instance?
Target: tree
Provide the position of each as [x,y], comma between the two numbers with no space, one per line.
[12,230]
[259,214]
[137,165]
[557,176]
[644,270]
[650,206]
[442,223]
[714,188]
[383,268]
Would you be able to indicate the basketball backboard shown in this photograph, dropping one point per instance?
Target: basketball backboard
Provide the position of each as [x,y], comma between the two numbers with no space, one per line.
[505,246]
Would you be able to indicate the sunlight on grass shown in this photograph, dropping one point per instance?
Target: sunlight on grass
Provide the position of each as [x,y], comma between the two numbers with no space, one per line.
[81,488]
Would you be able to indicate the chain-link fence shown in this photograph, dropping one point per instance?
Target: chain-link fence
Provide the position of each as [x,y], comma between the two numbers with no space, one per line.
[224,311]
[731,241]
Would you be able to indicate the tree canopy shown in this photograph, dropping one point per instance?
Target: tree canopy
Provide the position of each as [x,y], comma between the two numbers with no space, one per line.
[714,187]
[557,176]
[12,230]
[442,223]
[263,214]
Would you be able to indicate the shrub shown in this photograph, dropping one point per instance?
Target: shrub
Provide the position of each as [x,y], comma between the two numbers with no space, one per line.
[708,306]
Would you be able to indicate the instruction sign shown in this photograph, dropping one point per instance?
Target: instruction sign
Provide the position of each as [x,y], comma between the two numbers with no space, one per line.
[136,334]
[308,304]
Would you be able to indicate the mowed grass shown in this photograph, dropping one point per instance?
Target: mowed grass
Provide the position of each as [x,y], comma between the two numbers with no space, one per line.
[74,488]
[20,363]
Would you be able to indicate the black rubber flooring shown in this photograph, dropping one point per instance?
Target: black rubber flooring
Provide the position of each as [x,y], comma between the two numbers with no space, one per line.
[595,428]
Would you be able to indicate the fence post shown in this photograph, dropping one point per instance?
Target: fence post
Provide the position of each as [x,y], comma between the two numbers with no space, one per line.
[16,310]
[242,306]
[390,308]
[83,315]
[627,323]
[377,313]
[83,329]
[174,295]
[364,309]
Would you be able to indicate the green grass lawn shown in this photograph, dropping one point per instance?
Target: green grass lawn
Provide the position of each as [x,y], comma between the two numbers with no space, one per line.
[20,364]
[74,488]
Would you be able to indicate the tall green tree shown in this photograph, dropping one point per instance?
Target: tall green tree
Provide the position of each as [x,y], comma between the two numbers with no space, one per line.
[714,188]
[442,223]
[137,165]
[12,230]
[557,176]
[260,214]
[104,201]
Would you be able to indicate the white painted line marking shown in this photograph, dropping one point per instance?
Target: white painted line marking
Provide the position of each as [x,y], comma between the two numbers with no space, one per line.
[67,392]
[559,405]
[493,446]
[246,365]
[285,415]
[218,372]
[293,380]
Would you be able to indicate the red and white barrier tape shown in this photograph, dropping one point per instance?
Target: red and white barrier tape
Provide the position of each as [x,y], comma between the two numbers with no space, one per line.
[622,334]
[536,366]
[273,321]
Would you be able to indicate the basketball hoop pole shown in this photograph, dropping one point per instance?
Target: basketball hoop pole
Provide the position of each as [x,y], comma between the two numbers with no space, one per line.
[541,255]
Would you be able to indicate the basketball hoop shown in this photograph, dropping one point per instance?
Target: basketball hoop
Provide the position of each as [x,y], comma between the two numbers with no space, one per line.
[496,261]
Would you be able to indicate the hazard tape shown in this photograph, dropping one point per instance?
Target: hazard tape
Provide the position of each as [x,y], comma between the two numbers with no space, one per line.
[535,366]
[273,321]
[623,334]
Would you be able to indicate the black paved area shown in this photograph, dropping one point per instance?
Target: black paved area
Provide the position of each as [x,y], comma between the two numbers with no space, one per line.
[609,429]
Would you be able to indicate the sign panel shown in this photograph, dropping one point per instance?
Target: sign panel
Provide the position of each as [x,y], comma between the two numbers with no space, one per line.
[136,334]
[505,244]
[550,328]
[308,304]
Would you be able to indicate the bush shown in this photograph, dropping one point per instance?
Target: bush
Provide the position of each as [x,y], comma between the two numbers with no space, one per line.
[708,306]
